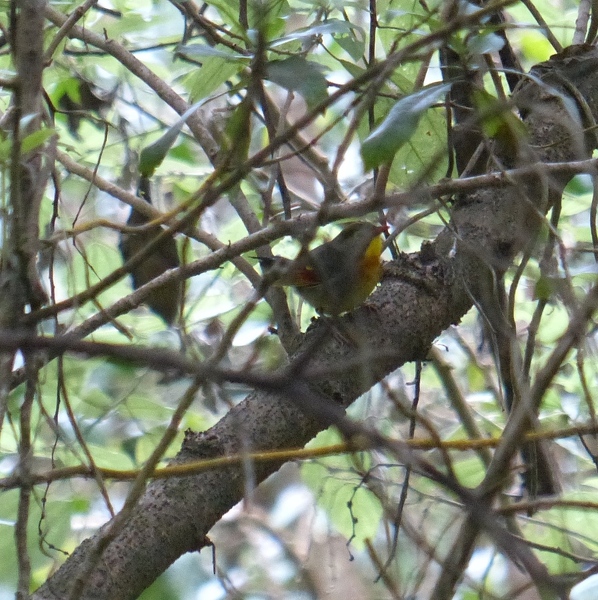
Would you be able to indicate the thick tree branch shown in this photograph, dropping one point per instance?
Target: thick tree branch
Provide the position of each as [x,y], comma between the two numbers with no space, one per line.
[403,318]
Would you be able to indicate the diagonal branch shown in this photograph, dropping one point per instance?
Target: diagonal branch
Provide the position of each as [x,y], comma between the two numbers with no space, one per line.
[488,228]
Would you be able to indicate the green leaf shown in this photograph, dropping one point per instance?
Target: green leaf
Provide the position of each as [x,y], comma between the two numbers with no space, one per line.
[499,122]
[299,75]
[36,139]
[424,152]
[152,156]
[353,46]
[270,18]
[229,11]
[545,288]
[205,51]
[108,458]
[184,151]
[213,73]
[352,68]
[69,86]
[238,133]
[332,26]
[535,46]
[579,185]
[485,43]
[5,149]
[398,127]
[470,471]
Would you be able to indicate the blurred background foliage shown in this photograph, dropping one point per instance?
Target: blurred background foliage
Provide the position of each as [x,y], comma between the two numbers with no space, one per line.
[321,529]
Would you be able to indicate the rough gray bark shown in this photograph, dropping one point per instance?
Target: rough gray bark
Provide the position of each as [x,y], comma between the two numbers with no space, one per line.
[403,317]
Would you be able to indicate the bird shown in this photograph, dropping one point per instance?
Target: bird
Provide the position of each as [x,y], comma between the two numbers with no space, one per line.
[337,276]
[165,300]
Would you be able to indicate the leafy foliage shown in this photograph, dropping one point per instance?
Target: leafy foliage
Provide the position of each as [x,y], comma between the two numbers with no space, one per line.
[253,121]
